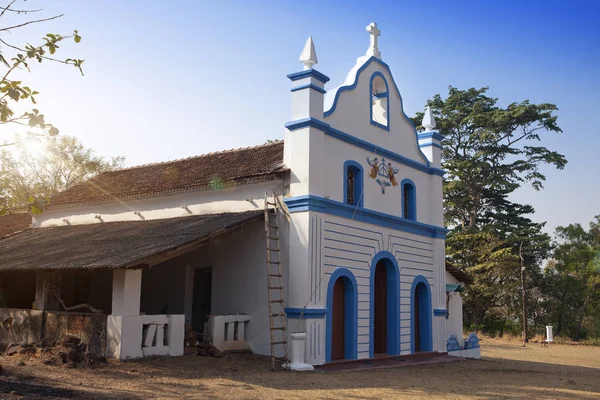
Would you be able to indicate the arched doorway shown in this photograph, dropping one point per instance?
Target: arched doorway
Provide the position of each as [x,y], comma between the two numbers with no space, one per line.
[385,305]
[421,316]
[380,306]
[342,316]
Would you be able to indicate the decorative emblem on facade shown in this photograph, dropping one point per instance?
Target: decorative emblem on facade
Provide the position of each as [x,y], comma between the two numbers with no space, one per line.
[385,170]
[452,343]
[472,341]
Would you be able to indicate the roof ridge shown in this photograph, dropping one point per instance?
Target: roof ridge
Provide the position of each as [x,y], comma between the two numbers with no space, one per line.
[277,142]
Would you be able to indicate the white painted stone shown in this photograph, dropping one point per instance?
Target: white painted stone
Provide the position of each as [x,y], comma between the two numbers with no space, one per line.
[308,57]
[469,353]
[297,359]
[373,46]
[176,334]
[428,120]
[127,286]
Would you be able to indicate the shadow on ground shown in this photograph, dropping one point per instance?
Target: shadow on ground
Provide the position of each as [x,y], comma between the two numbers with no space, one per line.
[249,376]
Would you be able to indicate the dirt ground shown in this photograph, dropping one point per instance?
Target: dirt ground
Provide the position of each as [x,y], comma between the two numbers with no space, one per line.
[508,371]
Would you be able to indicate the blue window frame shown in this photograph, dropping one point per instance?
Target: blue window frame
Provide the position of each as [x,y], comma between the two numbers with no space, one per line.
[379,101]
[409,199]
[353,183]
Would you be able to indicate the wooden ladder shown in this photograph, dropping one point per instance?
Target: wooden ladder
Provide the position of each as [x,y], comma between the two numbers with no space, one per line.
[277,326]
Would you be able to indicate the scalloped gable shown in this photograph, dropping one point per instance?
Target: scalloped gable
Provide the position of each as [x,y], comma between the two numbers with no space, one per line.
[349,110]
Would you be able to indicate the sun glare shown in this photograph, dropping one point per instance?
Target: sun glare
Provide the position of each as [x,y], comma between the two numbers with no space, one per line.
[35,147]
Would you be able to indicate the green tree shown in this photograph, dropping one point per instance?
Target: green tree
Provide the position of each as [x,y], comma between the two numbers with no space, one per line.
[575,275]
[15,57]
[33,170]
[488,152]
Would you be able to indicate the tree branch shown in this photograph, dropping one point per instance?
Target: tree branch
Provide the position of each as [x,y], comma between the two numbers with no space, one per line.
[31,22]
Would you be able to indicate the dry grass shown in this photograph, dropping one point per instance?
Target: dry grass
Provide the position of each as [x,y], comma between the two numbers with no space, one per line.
[507,371]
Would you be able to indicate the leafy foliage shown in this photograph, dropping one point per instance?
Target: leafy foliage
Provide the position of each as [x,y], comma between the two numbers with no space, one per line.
[574,279]
[14,58]
[489,152]
[30,173]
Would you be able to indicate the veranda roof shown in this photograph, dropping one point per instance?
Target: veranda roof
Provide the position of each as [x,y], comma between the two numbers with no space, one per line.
[114,244]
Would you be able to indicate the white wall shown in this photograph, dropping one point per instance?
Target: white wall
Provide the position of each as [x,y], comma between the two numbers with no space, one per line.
[240,280]
[454,324]
[339,242]
[233,199]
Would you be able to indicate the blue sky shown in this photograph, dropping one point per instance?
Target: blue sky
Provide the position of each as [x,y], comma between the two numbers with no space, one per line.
[166,80]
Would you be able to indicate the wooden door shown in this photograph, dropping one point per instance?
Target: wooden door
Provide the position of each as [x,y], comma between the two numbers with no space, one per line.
[337,321]
[416,319]
[380,306]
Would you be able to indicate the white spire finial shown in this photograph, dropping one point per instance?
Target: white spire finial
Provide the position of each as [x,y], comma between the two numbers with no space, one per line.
[308,57]
[428,120]
[373,48]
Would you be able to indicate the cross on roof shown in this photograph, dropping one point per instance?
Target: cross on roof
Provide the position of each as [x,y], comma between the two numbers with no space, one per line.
[373,48]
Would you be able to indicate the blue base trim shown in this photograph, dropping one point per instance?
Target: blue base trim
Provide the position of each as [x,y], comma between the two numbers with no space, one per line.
[331,207]
[350,314]
[309,313]
[431,135]
[440,312]
[371,148]
[393,303]
[431,144]
[313,73]
[309,86]
[424,317]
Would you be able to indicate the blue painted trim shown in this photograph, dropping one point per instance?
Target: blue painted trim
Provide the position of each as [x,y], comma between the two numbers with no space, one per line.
[359,177]
[440,312]
[393,303]
[331,207]
[430,135]
[439,146]
[308,86]
[370,147]
[379,95]
[350,316]
[425,329]
[307,122]
[309,313]
[412,199]
[313,73]
[355,83]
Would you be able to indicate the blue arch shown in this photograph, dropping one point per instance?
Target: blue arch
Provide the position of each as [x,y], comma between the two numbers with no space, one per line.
[355,83]
[379,95]
[358,182]
[425,329]
[412,199]
[393,303]
[350,316]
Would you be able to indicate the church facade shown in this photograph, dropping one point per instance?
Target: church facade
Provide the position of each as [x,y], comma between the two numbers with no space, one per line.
[153,249]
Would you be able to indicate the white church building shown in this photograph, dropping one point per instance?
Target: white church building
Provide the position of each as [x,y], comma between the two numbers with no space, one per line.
[334,236]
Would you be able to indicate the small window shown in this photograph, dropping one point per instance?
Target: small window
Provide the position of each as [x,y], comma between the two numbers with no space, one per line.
[379,101]
[353,183]
[409,203]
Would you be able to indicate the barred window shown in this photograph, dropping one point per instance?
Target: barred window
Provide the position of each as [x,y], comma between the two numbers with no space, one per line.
[350,186]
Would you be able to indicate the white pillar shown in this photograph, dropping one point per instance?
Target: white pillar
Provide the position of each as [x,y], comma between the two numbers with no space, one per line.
[127,290]
[297,360]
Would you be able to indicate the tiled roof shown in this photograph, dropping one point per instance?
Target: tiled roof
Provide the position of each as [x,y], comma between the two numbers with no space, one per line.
[112,244]
[12,223]
[225,168]
[457,273]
